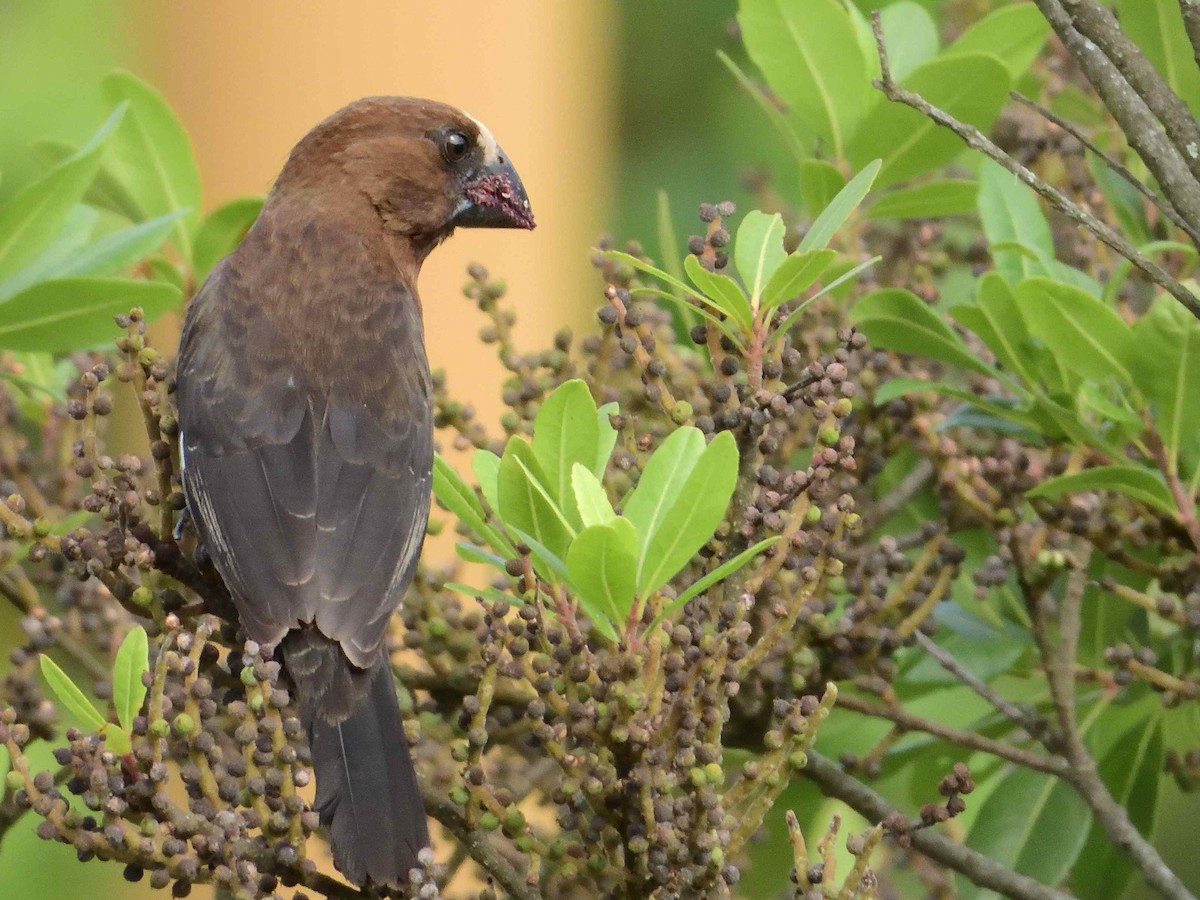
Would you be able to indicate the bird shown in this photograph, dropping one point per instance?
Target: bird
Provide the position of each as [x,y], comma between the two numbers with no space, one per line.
[306,433]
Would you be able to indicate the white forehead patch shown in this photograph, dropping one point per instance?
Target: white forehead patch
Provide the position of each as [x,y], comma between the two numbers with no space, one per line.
[491,152]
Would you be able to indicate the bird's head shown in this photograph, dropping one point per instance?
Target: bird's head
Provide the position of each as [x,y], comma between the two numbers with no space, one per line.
[426,168]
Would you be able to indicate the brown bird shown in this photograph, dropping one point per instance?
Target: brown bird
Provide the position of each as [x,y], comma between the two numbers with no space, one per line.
[306,432]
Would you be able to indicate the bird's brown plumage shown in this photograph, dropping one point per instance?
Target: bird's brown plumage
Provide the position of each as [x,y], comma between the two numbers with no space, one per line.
[306,420]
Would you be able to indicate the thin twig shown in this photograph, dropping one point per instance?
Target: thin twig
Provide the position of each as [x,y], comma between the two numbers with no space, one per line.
[1051,765]
[910,485]
[976,140]
[979,869]
[1070,128]
[1033,725]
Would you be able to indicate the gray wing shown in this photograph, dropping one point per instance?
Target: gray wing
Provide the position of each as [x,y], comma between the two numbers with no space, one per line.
[312,503]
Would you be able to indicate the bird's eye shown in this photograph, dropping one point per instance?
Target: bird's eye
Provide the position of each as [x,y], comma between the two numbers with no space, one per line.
[455,146]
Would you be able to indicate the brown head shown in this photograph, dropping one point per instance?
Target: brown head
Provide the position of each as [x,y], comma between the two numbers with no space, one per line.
[425,168]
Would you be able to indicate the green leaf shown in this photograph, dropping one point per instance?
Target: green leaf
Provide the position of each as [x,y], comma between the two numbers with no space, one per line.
[909,35]
[458,497]
[1033,823]
[222,231]
[820,182]
[1087,335]
[566,432]
[677,286]
[1125,201]
[526,502]
[132,661]
[773,113]
[758,251]
[1166,368]
[31,220]
[722,290]
[1014,34]
[606,437]
[70,695]
[5,768]
[996,318]
[1155,27]
[795,276]
[899,387]
[971,87]
[473,554]
[810,56]
[76,231]
[834,216]
[594,508]
[76,313]
[832,286]
[899,320]
[715,319]
[720,573]
[601,565]
[486,466]
[931,200]
[1132,481]
[668,251]
[152,156]
[1011,214]
[695,511]
[661,482]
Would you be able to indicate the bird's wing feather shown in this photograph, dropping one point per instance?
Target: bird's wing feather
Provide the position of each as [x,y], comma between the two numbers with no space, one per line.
[311,500]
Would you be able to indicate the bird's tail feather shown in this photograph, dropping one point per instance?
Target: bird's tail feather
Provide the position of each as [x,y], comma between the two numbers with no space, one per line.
[367,792]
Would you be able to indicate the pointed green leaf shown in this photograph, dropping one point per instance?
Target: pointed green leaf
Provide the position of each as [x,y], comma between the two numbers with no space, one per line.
[70,695]
[76,313]
[151,155]
[1087,335]
[829,288]
[758,251]
[834,216]
[722,290]
[458,497]
[661,481]
[1166,368]
[795,276]
[820,182]
[810,56]
[594,508]
[899,320]
[1011,215]
[132,661]
[473,554]
[720,573]
[695,511]
[31,220]
[487,593]
[971,87]
[996,318]
[60,253]
[601,565]
[222,231]
[526,502]
[1132,481]
[772,111]
[566,432]
[606,437]
[931,200]
[486,466]
[899,387]
[1013,34]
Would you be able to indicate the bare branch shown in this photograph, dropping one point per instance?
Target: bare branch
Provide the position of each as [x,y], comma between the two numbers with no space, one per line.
[979,869]
[1162,205]
[976,140]
[1166,157]
[909,722]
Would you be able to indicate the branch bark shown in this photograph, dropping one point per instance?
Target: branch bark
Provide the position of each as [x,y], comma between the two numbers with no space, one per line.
[980,869]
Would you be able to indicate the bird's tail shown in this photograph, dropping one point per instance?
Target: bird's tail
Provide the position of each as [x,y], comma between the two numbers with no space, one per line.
[367,793]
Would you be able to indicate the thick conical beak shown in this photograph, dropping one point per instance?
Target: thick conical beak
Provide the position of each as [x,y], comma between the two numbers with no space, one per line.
[495,198]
